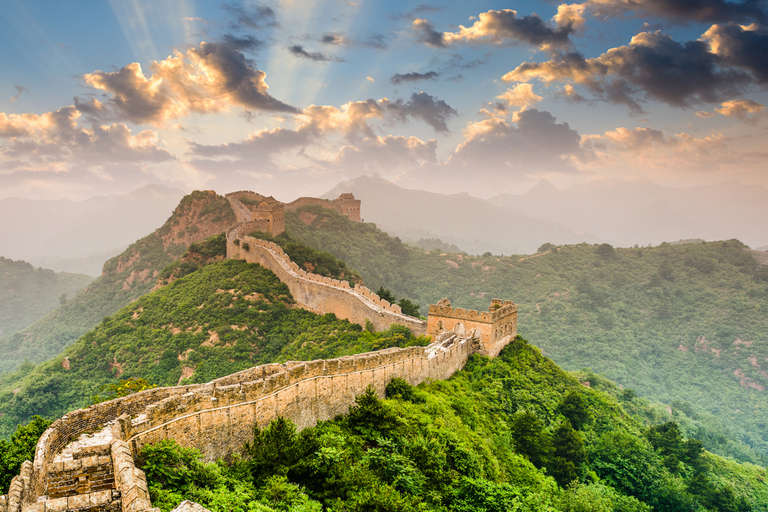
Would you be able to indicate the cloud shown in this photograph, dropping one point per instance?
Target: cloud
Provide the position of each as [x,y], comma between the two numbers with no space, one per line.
[208,78]
[652,153]
[333,38]
[652,66]
[521,96]
[300,51]
[243,43]
[385,154]
[399,79]
[712,11]
[744,110]
[251,17]
[53,152]
[536,144]
[742,47]
[506,27]
[426,33]
[370,79]
[422,106]
[19,90]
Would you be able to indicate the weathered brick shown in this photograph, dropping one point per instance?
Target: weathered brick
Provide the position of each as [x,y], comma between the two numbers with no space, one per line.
[56,505]
[80,501]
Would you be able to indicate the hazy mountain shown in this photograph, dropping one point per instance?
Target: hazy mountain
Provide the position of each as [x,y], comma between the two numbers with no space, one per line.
[29,293]
[125,278]
[473,224]
[641,212]
[79,236]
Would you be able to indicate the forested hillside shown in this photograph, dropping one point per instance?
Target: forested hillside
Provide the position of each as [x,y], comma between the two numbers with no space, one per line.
[515,433]
[214,321]
[684,324]
[124,278]
[29,292]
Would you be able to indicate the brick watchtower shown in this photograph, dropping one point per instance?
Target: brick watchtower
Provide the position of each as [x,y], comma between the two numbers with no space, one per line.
[493,328]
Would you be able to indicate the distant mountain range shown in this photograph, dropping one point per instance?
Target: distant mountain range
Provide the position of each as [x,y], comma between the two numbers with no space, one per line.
[72,236]
[474,225]
[623,213]
[641,212]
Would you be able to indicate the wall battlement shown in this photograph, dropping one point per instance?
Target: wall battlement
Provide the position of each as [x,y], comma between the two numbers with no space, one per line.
[218,417]
[319,293]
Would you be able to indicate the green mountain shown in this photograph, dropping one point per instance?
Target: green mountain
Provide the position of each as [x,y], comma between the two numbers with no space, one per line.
[218,319]
[29,292]
[512,433]
[515,433]
[124,279]
[683,324]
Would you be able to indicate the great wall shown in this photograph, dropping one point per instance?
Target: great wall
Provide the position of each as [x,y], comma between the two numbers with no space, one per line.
[77,470]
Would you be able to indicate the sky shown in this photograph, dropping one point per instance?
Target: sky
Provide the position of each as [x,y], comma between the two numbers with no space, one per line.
[289,98]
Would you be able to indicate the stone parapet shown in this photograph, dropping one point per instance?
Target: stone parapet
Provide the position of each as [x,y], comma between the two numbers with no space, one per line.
[319,293]
[218,419]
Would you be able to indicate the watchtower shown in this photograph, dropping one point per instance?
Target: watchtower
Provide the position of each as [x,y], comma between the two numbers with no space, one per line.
[493,328]
[272,213]
[348,206]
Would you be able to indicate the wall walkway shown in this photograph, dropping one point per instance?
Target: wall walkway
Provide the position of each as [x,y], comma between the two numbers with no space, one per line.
[317,293]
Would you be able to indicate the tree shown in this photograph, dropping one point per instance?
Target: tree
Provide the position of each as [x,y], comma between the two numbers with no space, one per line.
[605,250]
[386,295]
[370,417]
[545,247]
[20,448]
[575,409]
[408,307]
[530,437]
[568,454]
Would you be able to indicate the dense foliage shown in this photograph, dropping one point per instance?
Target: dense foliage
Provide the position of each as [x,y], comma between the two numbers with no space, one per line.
[683,324]
[223,318]
[124,279]
[29,292]
[498,436]
[21,447]
[212,249]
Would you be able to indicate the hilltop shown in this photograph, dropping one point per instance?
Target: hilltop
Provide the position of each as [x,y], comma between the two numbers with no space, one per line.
[124,278]
[29,292]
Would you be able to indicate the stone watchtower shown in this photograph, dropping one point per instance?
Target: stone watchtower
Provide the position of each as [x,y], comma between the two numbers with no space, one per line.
[272,213]
[493,329]
[348,206]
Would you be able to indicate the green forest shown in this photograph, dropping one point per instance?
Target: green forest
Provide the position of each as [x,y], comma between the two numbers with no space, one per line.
[515,433]
[683,324]
[29,292]
[663,408]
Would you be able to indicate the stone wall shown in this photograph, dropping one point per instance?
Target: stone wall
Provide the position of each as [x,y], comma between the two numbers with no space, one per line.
[242,212]
[218,418]
[317,293]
